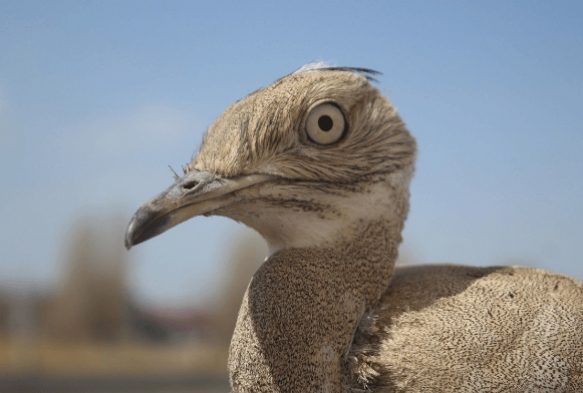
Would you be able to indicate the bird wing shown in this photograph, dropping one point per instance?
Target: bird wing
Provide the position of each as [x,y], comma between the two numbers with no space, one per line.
[472,329]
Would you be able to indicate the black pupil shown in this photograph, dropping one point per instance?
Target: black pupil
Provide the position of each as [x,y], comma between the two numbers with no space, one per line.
[325,123]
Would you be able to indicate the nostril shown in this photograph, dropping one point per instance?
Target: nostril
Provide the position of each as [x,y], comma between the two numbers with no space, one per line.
[190,185]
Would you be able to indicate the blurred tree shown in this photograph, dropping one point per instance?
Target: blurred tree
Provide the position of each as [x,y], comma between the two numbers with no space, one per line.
[91,301]
[407,256]
[4,314]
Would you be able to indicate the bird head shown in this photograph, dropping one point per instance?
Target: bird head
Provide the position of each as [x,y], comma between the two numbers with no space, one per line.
[302,161]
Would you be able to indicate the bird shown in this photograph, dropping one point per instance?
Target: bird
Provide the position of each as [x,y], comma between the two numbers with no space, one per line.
[320,163]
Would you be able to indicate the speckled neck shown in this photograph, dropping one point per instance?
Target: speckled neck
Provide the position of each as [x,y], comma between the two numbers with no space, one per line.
[302,307]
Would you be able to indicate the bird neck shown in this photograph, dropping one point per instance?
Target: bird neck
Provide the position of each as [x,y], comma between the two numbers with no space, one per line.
[302,307]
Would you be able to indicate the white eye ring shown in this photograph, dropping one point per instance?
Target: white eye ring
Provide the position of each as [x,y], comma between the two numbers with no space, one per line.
[325,124]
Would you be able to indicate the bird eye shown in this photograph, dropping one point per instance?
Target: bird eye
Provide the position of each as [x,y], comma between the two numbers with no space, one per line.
[325,124]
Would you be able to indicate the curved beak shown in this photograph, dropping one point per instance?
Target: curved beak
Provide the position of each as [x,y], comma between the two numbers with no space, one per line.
[197,193]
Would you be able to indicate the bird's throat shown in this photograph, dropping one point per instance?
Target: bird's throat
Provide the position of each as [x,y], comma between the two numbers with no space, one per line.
[321,215]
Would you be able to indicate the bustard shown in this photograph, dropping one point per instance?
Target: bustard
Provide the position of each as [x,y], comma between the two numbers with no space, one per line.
[319,163]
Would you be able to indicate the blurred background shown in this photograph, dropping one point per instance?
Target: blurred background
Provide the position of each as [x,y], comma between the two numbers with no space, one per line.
[98,98]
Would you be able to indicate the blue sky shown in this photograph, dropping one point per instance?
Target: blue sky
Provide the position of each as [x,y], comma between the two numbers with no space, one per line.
[98,98]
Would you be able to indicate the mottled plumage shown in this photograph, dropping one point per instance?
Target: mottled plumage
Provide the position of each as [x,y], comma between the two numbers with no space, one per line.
[320,315]
[443,328]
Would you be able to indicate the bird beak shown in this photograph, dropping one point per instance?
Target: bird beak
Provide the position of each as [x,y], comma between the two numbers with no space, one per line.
[197,193]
